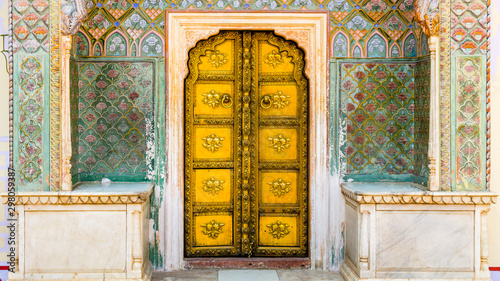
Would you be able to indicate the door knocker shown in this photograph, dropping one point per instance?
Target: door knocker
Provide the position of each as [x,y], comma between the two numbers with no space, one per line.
[226,101]
[266,102]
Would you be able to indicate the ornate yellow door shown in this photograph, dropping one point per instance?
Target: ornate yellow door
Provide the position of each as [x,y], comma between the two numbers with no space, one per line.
[246,147]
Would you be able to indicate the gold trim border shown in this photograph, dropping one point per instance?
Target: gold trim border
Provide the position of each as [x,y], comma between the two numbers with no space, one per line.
[54,179]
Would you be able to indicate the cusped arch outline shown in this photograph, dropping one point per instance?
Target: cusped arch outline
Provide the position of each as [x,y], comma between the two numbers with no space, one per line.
[334,39]
[105,51]
[407,37]
[139,46]
[392,47]
[88,41]
[368,40]
[96,45]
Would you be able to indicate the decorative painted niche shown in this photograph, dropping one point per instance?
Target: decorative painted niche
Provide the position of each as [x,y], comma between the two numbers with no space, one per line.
[384,112]
[113,103]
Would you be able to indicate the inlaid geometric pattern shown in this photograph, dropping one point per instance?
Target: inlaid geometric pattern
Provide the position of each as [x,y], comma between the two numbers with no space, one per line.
[356,20]
[377,106]
[31,19]
[470,26]
[468,124]
[115,118]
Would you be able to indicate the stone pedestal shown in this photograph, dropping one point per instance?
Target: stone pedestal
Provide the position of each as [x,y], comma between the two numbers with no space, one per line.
[94,232]
[400,231]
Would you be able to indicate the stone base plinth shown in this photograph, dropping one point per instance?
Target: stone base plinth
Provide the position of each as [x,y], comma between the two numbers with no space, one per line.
[400,231]
[94,232]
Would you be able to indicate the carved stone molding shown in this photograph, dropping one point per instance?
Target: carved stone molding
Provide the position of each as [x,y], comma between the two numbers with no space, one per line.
[73,13]
[427,15]
[93,193]
[421,197]
[51,198]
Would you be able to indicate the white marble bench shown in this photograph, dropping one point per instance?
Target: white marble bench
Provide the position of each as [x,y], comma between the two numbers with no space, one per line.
[402,231]
[94,232]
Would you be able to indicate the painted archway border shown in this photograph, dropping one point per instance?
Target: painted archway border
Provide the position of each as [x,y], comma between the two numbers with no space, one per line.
[310,31]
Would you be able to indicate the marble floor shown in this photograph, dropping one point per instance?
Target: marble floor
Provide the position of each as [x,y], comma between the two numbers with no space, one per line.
[246,275]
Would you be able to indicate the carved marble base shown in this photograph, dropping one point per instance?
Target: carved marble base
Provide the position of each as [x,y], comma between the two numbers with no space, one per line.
[94,232]
[400,231]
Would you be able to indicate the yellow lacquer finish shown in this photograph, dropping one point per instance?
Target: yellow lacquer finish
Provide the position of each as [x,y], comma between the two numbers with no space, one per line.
[246,147]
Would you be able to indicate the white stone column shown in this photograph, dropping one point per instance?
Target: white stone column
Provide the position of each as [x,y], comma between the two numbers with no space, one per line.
[434,117]
[65,114]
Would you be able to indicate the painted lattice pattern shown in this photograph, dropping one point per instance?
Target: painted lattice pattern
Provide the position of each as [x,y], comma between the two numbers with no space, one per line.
[377,106]
[422,95]
[31,80]
[30,19]
[366,28]
[469,160]
[115,118]
[469,21]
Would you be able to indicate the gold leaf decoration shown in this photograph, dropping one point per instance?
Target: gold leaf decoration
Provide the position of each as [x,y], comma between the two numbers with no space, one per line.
[212,185]
[279,187]
[212,229]
[273,58]
[278,229]
[212,142]
[217,59]
[279,143]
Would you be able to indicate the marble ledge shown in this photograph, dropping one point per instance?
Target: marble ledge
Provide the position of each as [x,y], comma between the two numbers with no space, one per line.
[411,193]
[87,193]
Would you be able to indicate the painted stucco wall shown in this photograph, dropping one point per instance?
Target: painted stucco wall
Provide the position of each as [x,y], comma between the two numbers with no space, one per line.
[494,218]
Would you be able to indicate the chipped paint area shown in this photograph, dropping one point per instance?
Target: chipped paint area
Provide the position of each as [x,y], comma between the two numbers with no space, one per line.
[150,152]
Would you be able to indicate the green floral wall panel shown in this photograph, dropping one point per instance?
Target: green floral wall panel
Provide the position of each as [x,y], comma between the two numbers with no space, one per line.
[29,140]
[469,115]
[422,107]
[377,110]
[115,119]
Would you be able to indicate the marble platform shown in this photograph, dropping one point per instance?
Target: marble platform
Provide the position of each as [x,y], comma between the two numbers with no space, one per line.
[93,232]
[402,231]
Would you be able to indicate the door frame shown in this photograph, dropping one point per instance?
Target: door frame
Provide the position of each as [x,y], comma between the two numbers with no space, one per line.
[310,31]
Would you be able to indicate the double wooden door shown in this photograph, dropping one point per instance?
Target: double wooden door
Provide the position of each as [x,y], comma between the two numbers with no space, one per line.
[246,147]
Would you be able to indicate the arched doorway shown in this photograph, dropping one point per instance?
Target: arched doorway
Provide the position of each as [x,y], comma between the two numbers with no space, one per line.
[246,147]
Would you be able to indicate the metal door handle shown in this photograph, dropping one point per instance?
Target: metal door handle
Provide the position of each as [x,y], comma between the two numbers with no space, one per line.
[226,101]
[266,102]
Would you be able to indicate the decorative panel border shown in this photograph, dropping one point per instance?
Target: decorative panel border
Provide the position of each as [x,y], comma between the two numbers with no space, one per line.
[468,123]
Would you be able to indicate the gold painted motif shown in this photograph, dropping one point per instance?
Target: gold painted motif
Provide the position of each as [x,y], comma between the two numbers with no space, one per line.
[212,229]
[273,58]
[212,98]
[279,187]
[246,102]
[217,58]
[278,100]
[212,142]
[212,185]
[279,143]
[278,229]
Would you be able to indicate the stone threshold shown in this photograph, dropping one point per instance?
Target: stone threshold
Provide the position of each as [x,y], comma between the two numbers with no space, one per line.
[258,262]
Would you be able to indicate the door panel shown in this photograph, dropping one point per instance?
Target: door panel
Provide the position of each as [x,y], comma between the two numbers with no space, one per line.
[278,144]
[214,99]
[213,143]
[278,100]
[246,147]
